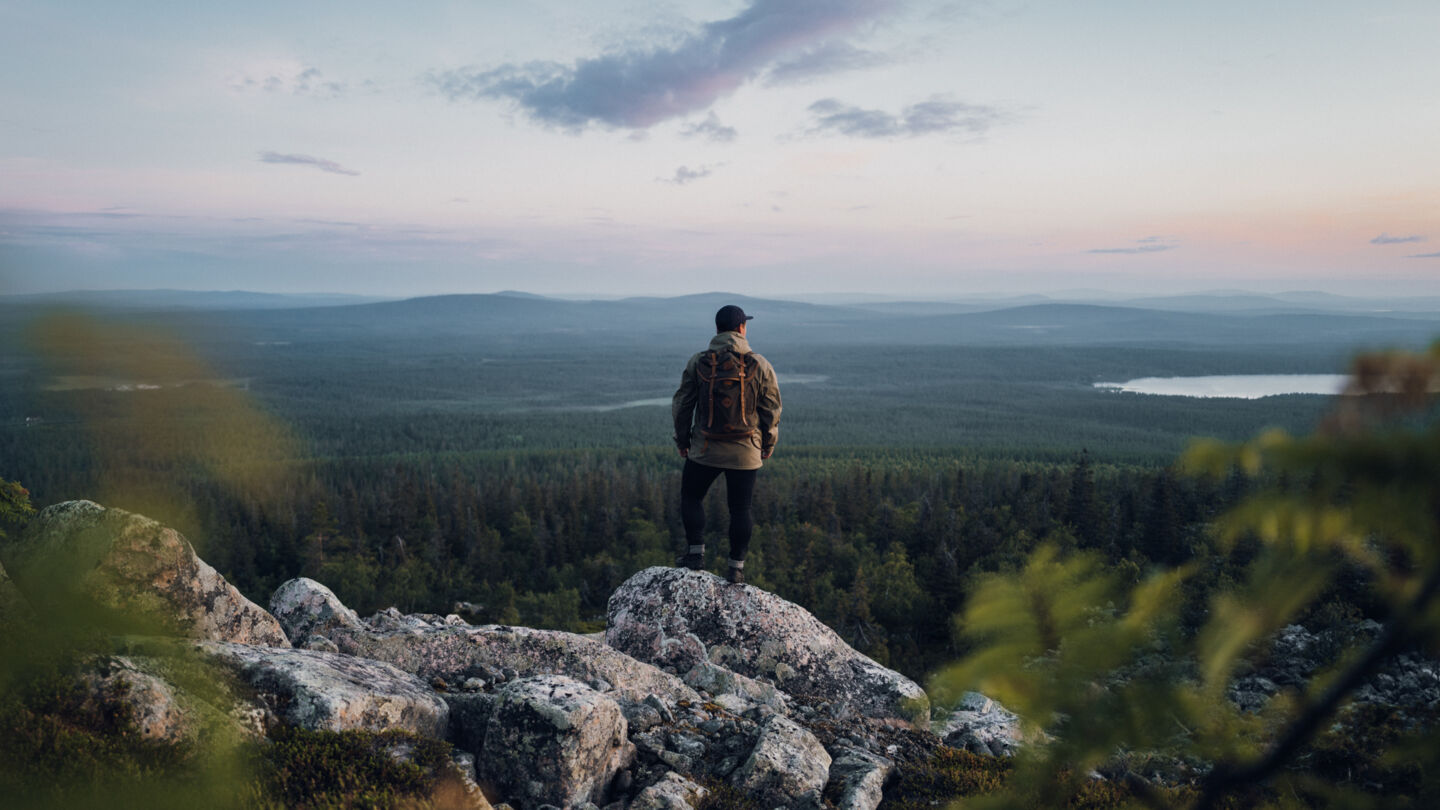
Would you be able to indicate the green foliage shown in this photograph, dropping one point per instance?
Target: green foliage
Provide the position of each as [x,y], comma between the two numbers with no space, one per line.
[64,744]
[979,782]
[949,774]
[15,505]
[355,769]
[1065,644]
[724,796]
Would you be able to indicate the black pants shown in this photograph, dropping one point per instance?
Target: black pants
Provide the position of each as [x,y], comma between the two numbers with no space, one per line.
[695,481]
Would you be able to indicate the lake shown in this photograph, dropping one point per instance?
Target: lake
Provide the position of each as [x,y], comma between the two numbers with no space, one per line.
[1237,386]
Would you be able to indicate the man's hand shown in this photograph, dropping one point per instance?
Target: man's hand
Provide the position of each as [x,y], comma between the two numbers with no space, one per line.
[684,452]
[765,452]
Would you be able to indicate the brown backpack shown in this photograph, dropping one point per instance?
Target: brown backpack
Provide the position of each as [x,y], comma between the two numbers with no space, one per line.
[729,387]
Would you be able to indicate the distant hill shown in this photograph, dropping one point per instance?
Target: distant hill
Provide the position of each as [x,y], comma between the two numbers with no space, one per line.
[520,319]
[186,299]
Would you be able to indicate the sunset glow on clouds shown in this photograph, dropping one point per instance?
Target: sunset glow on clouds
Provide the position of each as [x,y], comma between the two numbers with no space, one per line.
[782,146]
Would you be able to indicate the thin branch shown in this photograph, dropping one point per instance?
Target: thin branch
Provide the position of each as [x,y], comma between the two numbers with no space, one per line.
[1225,778]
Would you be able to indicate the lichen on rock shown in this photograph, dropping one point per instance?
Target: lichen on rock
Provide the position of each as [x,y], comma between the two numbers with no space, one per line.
[333,692]
[787,766]
[553,740]
[678,618]
[136,571]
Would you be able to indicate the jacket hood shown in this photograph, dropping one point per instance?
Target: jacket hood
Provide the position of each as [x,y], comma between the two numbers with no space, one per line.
[733,341]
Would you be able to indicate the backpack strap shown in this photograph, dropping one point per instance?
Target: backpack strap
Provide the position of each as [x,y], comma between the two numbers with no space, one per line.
[714,372]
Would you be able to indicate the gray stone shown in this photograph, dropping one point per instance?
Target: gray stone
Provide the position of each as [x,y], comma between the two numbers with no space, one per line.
[454,652]
[786,764]
[726,765]
[318,690]
[649,742]
[640,716]
[859,777]
[659,706]
[719,681]
[304,608]
[553,739]
[133,567]
[319,643]
[672,792]
[680,618]
[982,726]
[678,761]
[687,744]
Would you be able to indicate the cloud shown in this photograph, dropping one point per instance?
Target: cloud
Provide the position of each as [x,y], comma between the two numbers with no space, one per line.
[938,115]
[685,174]
[1150,244]
[306,160]
[287,77]
[638,88]
[1387,239]
[1424,256]
[828,58]
[711,129]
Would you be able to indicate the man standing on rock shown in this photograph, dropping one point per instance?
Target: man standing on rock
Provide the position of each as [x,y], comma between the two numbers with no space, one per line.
[727,420]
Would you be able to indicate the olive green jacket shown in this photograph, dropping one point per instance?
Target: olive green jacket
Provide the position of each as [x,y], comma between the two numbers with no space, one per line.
[725,454]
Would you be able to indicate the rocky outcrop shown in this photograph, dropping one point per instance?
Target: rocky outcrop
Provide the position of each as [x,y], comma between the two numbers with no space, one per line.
[788,767]
[677,618]
[981,726]
[1409,682]
[142,573]
[554,740]
[696,682]
[434,647]
[318,690]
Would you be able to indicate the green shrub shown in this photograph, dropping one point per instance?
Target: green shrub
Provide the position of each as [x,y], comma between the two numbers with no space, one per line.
[355,769]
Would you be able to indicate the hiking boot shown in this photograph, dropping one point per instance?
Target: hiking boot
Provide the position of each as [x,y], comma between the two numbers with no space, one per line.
[692,560]
[735,576]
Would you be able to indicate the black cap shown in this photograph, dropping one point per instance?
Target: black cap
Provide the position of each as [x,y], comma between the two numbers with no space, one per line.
[729,318]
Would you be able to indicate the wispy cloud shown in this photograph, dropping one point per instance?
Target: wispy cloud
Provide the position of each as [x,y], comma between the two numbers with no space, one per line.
[710,129]
[1424,256]
[640,87]
[1150,244]
[685,174]
[307,160]
[1387,239]
[824,60]
[938,115]
[284,77]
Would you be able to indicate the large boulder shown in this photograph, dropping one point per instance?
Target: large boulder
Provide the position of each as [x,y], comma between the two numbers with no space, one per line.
[431,647]
[678,618]
[554,740]
[332,692]
[135,569]
[787,768]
